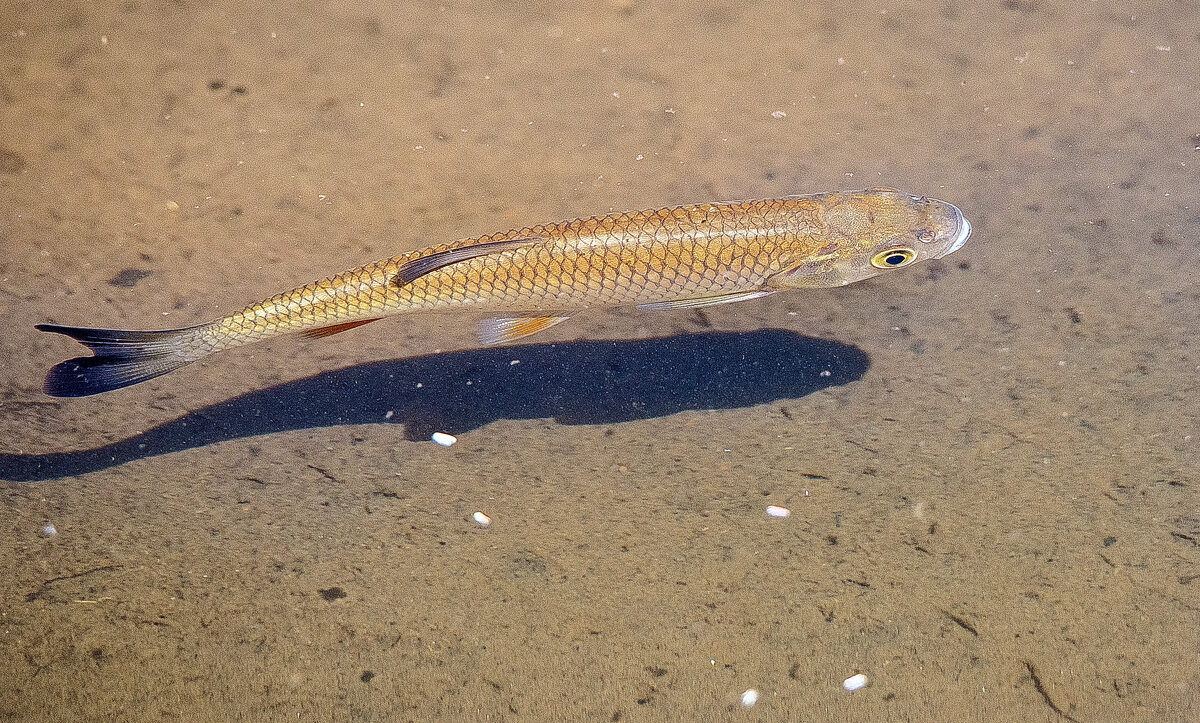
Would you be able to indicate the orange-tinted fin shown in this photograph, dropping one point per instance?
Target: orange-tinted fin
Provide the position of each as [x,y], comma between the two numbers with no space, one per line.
[703,301]
[417,268]
[122,358]
[324,331]
[498,331]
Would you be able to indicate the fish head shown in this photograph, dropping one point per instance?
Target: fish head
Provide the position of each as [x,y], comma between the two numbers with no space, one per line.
[868,233]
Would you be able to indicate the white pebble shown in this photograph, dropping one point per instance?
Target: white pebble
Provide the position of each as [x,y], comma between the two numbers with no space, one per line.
[749,698]
[854,682]
[482,519]
[443,439]
[49,530]
[777,511]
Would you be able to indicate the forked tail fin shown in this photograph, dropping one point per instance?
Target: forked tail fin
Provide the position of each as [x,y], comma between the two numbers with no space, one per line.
[121,358]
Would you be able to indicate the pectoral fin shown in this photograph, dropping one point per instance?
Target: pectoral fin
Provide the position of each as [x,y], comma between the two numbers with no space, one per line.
[499,331]
[417,268]
[704,301]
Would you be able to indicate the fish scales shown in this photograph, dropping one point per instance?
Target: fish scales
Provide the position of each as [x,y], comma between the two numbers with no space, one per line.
[679,257]
[608,260]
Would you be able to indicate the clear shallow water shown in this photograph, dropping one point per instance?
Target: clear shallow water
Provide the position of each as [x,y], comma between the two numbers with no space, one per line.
[993,496]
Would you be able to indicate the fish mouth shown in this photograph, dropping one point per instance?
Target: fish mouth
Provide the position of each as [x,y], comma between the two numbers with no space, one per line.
[964,231]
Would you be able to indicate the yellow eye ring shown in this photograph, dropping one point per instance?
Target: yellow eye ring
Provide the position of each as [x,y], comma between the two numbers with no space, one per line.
[893,258]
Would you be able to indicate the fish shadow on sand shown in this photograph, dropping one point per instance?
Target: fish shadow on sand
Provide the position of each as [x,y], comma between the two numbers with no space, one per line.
[583,382]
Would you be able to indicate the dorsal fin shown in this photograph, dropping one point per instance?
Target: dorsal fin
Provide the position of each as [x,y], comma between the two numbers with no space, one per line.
[417,268]
[323,331]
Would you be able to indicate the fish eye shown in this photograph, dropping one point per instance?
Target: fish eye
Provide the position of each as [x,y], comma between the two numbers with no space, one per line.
[893,258]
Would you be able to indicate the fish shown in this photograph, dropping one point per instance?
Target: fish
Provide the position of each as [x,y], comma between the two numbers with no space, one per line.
[533,278]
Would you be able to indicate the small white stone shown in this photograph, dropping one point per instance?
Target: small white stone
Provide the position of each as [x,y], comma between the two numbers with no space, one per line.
[443,439]
[49,530]
[482,519]
[777,511]
[854,682]
[778,114]
[749,698]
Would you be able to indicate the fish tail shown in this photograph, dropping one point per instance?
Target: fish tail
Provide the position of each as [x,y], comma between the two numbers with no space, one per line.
[121,358]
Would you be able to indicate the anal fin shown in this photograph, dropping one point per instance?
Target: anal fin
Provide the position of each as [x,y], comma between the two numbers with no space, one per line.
[704,301]
[499,331]
[324,331]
